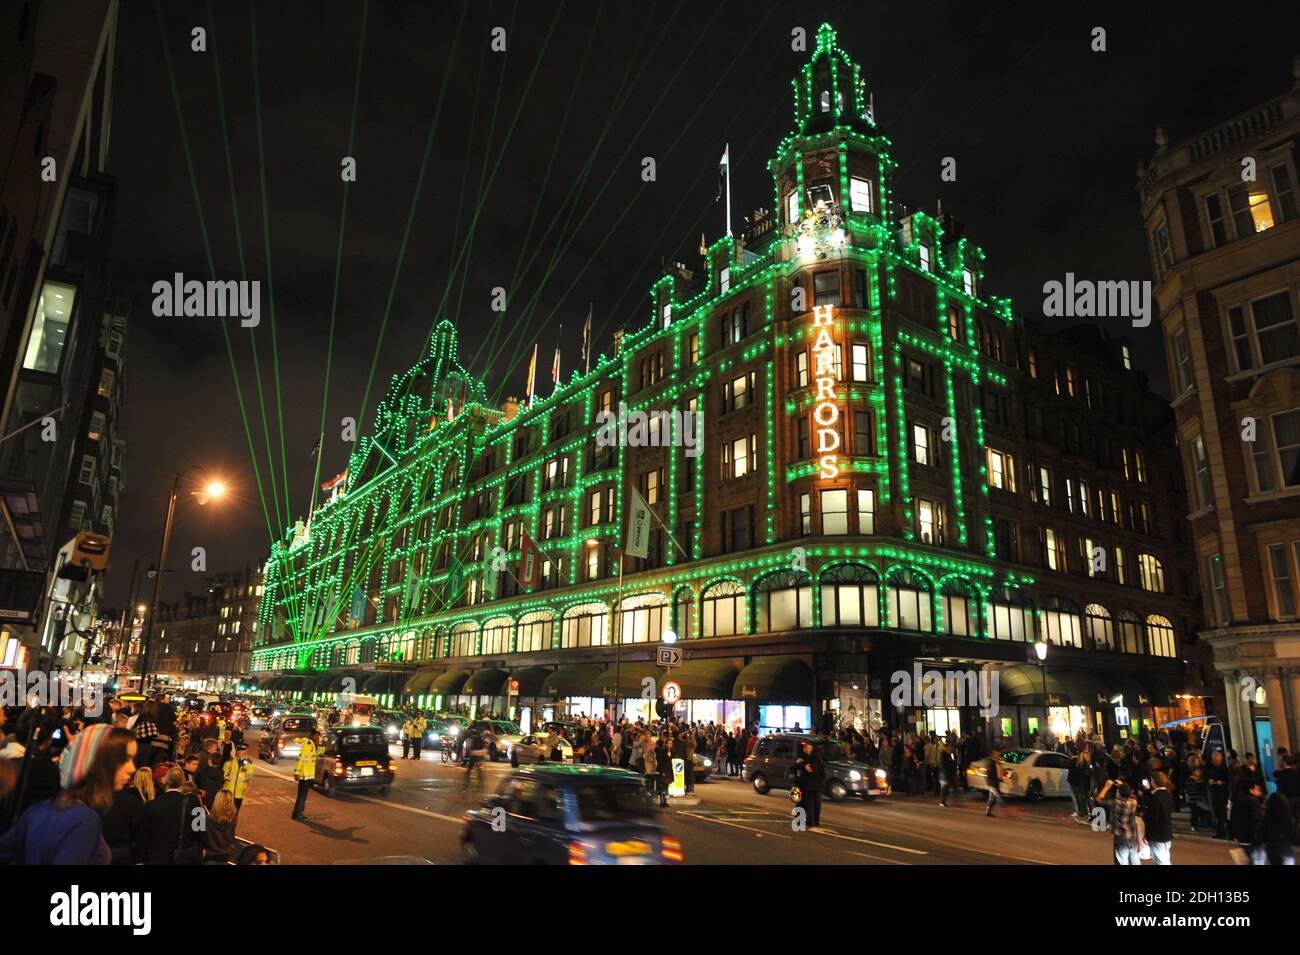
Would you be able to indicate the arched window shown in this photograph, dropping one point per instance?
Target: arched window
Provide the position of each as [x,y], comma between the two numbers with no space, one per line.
[1151,574]
[1010,616]
[1062,624]
[683,607]
[441,644]
[586,625]
[1160,636]
[850,596]
[723,611]
[464,639]
[826,101]
[960,608]
[784,601]
[1098,627]
[1129,626]
[909,601]
[352,655]
[496,635]
[642,618]
[536,631]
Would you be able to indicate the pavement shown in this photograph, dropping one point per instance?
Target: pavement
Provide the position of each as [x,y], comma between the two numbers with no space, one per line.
[420,820]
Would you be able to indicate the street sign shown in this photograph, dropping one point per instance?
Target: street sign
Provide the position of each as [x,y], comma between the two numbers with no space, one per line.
[1121,716]
[670,657]
[671,692]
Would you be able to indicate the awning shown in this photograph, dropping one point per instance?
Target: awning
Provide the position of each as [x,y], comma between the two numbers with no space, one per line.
[420,681]
[705,679]
[378,683]
[572,680]
[273,683]
[1083,687]
[530,681]
[625,681]
[487,682]
[322,684]
[1159,691]
[775,680]
[1023,685]
[449,683]
[1128,684]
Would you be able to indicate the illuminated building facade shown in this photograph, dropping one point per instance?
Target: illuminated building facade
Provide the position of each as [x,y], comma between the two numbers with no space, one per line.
[869,494]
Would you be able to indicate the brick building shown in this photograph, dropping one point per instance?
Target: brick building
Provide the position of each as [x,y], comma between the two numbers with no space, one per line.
[1220,208]
[203,640]
[893,470]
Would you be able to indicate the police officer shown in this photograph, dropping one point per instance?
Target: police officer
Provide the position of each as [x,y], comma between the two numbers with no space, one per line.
[236,772]
[305,771]
[418,725]
[407,725]
[810,777]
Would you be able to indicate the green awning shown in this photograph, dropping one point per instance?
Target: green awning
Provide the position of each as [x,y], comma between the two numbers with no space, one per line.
[321,684]
[449,683]
[1021,684]
[379,683]
[775,680]
[1159,691]
[420,681]
[572,680]
[530,681]
[705,679]
[626,681]
[487,682]
[1082,686]
[1128,684]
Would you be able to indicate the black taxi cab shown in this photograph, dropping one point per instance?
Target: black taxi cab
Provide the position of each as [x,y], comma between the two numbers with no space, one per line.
[354,757]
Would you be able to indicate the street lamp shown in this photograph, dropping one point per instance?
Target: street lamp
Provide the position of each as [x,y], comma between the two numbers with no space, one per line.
[1040,650]
[211,490]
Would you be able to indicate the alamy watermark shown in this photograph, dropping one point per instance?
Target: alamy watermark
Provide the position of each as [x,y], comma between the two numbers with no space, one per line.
[1085,298]
[649,429]
[195,299]
[55,688]
[942,688]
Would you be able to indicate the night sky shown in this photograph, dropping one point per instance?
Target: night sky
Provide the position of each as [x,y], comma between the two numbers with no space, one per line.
[1046,134]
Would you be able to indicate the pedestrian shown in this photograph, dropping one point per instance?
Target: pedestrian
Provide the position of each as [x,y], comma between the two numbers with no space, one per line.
[419,725]
[1278,835]
[171,824]
[664,763]
[1158,818]
[1123,821]
[219,833]
[810,777]
[1287,780]
[209,777]
[305,771]
[1247,808]
[649,766]
[1079,778]
[946,768]
[1217,781]
[406,737]
[122,821]
[994,782]
[235,774]
[146,731]
[67,829]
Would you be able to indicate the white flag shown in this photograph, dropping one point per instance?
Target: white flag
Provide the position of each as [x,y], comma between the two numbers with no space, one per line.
[637,543]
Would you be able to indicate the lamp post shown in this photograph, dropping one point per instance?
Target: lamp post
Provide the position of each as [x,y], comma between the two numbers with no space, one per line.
[212,489]
[1040,649]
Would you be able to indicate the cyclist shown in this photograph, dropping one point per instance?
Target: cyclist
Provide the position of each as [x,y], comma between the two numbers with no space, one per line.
[475,750]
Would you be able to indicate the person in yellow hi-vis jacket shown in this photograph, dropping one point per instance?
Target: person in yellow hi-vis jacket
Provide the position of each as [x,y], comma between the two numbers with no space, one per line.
[236,771]
[418,726]
[406,738]
[305,771]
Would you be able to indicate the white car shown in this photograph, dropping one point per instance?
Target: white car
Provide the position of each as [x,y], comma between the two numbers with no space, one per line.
[1031,773]
[532,749]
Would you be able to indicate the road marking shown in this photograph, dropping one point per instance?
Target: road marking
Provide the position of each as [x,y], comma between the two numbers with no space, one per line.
[457,820]
[883,845]
[867,855]
[735,825]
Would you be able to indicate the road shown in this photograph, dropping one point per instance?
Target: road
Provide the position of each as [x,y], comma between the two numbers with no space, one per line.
[419,821]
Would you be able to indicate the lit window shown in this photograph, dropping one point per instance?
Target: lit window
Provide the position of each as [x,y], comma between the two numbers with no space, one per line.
[792,208]
[1002,470]
[929,521]
[724,280]
[860,194]
[1251,211]
[866,511]
[920,444]
[860,366]
[805,513]
[925,257]
[1045,486]
[801,369]
[835,512]
[968,281]
[1126,357]
[1053,551]
[50,327]
[1151,574]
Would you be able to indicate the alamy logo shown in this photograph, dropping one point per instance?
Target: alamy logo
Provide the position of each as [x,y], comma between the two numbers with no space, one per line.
[195,299]
[1084,298]
[945,688]
[77,908]
[55,688]
[649,429]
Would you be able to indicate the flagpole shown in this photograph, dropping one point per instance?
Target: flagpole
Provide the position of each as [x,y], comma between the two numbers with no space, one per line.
[315,481]
[728,152]
[586,341]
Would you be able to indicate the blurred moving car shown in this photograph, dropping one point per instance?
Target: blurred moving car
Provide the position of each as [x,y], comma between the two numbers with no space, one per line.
[771,766]
[533,748]
[1031,773]
[506,733]
[282,736]
[354,757]
[260,716]
[568,815]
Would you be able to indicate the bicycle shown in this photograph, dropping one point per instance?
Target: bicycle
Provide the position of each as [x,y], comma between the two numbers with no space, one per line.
[473,778]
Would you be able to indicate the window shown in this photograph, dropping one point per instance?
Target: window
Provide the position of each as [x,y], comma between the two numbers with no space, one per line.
[652,483]
[667,314]
[805,441]
[1160,636]
[1045,486]
[1121,572]
[738,392]
[643,619]
[496,635]
[1218,609]
[835,511]
[1164,251]
[909,603]
[1140,465]
[722,610]
[693,348]
[1201,472]
[724,280]
[850,597]
[106,378]
[1084,503]
[866,511]
[738,528]
[925,257]
[1126,357]
[826,288]
[1033,363]
[864,433]
[1002,470]
[783,602]
[860,194]
[87,474]
[968,282]
[1182,361]
[921,444]
[97,425]
[1098,627]
[929,521]
[792,208]
[1151,574]
[1280,573]
[1286,438]
[1214,215]
[1251,211]
[1086,547]
[1272,335]
[805,513]
[801,369]
[1054,550]
[860,366]
[1062,625]
[50,327]
[1283,193]
[585,626]
[738,457]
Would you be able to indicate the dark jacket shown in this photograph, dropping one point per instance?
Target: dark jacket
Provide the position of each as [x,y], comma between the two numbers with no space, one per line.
[122,824]
[1288,783]
[810,771]
[168,824]
[1159,816]
[219,840]
[1245,818]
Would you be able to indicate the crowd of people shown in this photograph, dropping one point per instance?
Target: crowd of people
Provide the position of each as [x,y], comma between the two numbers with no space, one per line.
[141,784]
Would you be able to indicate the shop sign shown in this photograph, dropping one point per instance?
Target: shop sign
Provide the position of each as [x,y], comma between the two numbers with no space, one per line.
[826,413]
